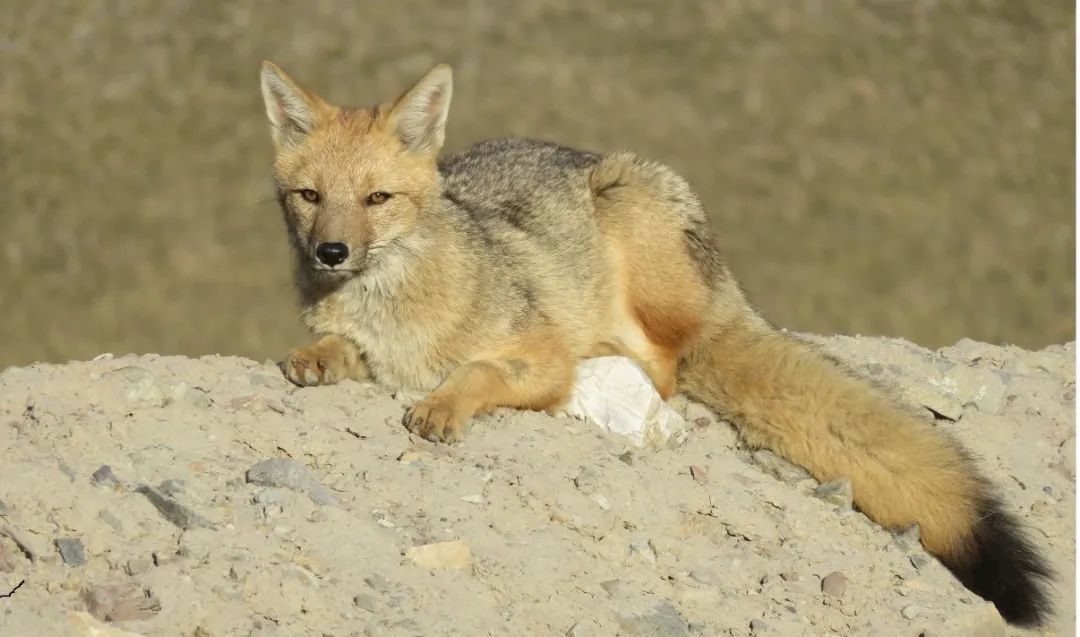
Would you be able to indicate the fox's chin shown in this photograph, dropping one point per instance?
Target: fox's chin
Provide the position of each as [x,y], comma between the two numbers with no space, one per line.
[335,274]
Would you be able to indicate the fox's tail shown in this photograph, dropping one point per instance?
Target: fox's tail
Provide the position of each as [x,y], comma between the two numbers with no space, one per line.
[785,396]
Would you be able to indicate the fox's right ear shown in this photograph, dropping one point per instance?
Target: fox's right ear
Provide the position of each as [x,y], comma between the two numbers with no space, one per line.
[293,112]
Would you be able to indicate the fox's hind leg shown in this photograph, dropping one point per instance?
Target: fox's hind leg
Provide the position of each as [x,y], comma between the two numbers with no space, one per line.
[325,362]
[535,372]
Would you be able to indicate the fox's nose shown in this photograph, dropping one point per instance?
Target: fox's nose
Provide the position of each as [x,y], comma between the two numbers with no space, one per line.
[332,254]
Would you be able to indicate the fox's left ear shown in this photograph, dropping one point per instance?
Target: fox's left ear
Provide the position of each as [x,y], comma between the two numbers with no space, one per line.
[420,114]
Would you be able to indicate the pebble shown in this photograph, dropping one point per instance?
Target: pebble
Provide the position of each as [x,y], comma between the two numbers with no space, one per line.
[910,612]
[475,498]
[664,621]
[587,480]
[288,473]
[778,467]
[601,501]
[836,492]
[908,538]
[176,513]
[366,602]
[920,560]
[699,473]
[758,626]
[104,477]
[611,586]
[834,584]
[3,508]
[454,554]
[643,551]
[121,602]
[142,387]
[627,458]
[138,566]
[943,406]
[71,551]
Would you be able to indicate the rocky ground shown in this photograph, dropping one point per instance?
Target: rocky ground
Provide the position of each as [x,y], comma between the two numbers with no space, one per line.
[208,497]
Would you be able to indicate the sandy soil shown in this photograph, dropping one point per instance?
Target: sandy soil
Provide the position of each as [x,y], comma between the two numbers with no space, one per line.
[540,526]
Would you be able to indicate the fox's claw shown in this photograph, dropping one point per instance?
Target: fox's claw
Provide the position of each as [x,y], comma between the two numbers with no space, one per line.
[436,420]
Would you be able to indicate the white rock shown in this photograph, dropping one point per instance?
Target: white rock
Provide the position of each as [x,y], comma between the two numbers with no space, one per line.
[616,394]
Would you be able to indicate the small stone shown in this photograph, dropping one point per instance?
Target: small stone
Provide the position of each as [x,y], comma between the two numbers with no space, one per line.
[1040,507]
[272,495]
[702,576]
[834,584]
[790,576]
[779,467]
[409,457]
[138,566]
[587,480]
[173,511]
[758,626]
[71,551]
[366,602]
[942,406]
[836,492]
[454,554]
[172,487]
[121,602]
[475,498]
[627,457]
[643,551]
[108,517]
[611,586]
[699,473]
[142,387]
[601,501]
[664,621]
[288,473]
[910,612]
[920,560]
[3,508]
[104,477]
[377,583]
[908,538]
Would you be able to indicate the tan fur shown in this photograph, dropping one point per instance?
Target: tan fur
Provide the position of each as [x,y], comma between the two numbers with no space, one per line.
[489,274]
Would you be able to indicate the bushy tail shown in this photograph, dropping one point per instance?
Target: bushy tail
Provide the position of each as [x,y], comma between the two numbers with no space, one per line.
[785,396]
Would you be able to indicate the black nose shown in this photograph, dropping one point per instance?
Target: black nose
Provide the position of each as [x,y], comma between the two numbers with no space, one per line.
[332,253]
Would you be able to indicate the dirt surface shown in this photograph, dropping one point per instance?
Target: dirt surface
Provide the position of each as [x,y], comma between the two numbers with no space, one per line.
[896,167]
[208,497]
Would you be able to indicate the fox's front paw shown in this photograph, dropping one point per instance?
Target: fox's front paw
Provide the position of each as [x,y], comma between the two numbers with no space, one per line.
[314,365]
[437,419]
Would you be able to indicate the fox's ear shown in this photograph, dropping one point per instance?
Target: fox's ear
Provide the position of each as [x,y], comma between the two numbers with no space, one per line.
[420,114]
[293,112]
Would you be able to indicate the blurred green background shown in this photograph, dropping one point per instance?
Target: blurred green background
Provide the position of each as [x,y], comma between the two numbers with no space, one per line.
[898,167]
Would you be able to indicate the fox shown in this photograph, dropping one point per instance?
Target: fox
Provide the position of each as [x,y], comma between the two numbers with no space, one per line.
[482,278]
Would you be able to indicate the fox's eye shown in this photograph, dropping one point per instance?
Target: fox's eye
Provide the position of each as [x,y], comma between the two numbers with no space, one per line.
[377,198]
[309,195]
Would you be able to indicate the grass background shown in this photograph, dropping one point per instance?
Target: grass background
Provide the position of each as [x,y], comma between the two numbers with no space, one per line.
[896,167]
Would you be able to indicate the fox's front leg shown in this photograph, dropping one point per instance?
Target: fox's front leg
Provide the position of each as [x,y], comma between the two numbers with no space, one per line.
[328,360]
[537,375]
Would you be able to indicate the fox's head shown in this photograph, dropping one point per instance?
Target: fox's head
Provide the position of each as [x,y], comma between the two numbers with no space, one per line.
[355,184]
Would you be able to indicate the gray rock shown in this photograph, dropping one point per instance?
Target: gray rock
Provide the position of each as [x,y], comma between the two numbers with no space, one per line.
[943,405]
[104,477]
[173,511]
[983,388]
[836,492]
[611,586]
[920,560]
[3,508]
[907,539]
[138,566]
[758,626]
[366,602]
[172,487]
[778,467]
[142,387]
[910,612]
[627,457]
[71,551]
[290,474]
[664,621]
[587,480]
[121,602]
[834,584]
[377,583]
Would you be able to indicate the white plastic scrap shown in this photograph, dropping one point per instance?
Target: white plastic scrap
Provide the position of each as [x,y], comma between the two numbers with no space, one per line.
[616,394]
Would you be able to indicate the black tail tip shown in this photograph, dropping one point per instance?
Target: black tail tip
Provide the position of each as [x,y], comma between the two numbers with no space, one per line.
[1005,568]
